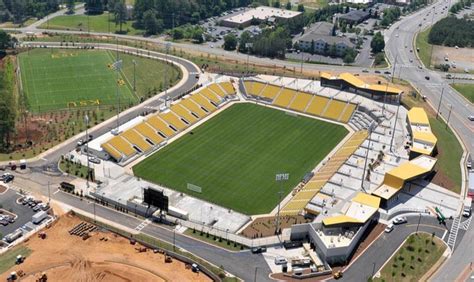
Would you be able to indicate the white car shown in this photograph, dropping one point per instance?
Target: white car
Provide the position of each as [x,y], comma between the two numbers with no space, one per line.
[280,260]
[471,118]
[389,228]
[399,220]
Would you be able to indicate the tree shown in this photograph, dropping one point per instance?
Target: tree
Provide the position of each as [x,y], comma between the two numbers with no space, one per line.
[243,40]
[333,50]
[120,13]
[151,24]
[177,33]
[230,42]
[377,44]
[276,4]
[349,55]
[94,7]
[288,5]
[70,7]
[300,8]
[197,36]
[6,41]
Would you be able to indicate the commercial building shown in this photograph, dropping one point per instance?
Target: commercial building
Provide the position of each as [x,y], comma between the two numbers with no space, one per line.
[354,16]
[318,39]
[259,14]
[349,82]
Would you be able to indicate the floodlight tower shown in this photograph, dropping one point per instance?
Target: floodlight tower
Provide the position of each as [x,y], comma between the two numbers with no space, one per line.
[280,177]
[117,66]
[134,75]
[86,120]
[167,48]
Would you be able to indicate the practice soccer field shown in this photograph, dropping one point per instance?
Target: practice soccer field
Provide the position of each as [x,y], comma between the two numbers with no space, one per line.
[235,155]
[57,79]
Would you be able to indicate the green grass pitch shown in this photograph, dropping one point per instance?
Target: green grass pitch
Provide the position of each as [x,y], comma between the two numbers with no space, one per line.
[55,79]
[234,156]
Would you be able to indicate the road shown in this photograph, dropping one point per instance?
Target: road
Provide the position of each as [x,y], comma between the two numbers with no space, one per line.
[382,249]
[407,65]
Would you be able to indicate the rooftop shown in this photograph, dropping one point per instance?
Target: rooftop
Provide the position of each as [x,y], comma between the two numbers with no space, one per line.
[354,15]
[262,13]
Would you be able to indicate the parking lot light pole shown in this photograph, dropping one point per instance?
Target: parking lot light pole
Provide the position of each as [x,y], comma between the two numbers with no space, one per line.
[280,177]
[86,120]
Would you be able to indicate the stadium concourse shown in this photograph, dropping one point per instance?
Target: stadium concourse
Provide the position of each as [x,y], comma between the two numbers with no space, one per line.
[376,171]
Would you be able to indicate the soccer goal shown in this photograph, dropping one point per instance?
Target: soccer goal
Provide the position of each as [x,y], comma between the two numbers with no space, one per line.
[194,188]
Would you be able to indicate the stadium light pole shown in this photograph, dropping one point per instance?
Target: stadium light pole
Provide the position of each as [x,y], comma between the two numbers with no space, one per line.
[117,66]
[167,48]
[280,177]
[134,75]
[395,123]
[366,157]
[86,120]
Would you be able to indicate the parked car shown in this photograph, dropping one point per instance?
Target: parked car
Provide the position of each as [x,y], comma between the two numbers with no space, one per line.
[427,77]
[399,220]
[94,160]
[471,118]
[258,250]
[280,260]
[8,178]
[389,228]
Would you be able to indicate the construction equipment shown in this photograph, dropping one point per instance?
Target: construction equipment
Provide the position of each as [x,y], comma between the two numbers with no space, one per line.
[141,249]
[42,235]
[43,277]
[86,236]
[168,259]
[19,259]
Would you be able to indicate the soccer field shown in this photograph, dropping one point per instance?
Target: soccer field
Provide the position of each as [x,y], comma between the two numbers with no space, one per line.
[234,156]
[57,79]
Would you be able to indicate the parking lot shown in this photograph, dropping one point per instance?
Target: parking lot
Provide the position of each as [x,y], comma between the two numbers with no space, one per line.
[8,202]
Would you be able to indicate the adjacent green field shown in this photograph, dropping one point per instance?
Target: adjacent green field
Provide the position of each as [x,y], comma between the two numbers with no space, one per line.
[466,89]
[8,259]
[96,23]
[55,79]
[234,156]
[424,46]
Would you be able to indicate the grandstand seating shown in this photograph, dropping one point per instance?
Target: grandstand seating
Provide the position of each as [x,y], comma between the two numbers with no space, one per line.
[173,120]
[253,87]
[121,145]
[334,109]
[160,125]
[228,87]
[346,116]
[284,98]
[270,91]
[212,96]
[216,89]
[146,130]
[136,139]
[318,104]
[299,202]
[183,113]
[112,151]
[203,102]
[300,102]
[193,107]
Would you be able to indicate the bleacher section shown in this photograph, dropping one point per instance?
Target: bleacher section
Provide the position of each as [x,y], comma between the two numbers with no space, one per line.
[300,101]
[153,131]
[314,185]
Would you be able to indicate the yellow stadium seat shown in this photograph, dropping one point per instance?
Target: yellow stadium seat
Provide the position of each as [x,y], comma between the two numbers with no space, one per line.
[183,113]
[301,101]
[122,146]
[134,138]
[193,107]
[204,102]
[112,151]
[334,110]
[270,91]
[284,98]
[212,96]
[216,89]
[254,88]
[160,125]
[304,195]
[173,120]
[228,87]
[149,132]
[347,113]
[317,105]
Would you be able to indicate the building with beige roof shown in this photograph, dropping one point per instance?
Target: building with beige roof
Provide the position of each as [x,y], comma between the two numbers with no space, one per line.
[259,14]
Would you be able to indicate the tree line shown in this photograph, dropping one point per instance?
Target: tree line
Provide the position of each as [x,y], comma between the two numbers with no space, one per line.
[452,31]
[460,5]
[19,10]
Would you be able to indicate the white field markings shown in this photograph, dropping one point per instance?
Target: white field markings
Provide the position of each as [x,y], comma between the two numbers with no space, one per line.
[129,85]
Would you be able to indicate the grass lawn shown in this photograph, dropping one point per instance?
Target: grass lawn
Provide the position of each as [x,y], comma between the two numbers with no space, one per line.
[466,89]
[7,260]
[448,159]
[424,46]
[213,240]
[57,79]
[96,23]
[234,156]
[417,255]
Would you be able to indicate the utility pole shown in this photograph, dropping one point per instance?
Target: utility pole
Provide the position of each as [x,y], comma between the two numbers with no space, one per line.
[134,75]
[280,177]
[255,275]
[396,118]
[49,193]
[431,50]
[248,46]
[302,61]
[86,120]
[449,115]
[440,99]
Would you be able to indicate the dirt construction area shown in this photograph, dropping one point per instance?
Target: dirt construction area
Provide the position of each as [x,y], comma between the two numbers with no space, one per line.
[104,256]
[461,57]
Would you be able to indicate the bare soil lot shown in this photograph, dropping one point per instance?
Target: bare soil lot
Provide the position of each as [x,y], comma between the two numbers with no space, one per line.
[65,257]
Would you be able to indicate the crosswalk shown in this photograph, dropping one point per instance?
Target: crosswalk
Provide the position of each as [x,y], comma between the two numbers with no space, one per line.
[465,224]
[143,225]
[454,233]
